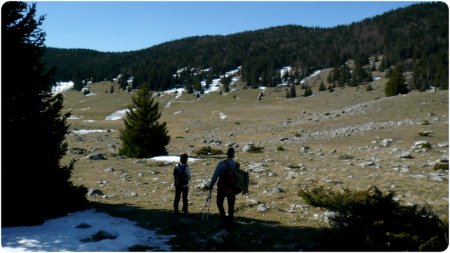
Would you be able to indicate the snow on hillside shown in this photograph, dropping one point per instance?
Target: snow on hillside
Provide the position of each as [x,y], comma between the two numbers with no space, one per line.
[88,131]
[172,159]
[117,114]
[62,86]
[317,72]
[83,231]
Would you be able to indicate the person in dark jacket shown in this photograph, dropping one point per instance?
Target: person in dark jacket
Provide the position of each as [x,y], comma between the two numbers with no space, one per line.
[182,176]
[224,189]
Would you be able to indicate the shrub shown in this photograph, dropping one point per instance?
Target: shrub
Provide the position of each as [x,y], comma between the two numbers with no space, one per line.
[255,149]
[440,166]
[208,151]
[425,134]
[280,148]
[370,220]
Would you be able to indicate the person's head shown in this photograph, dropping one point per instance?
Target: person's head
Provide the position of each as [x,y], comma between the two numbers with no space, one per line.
[230,153]
[183,158]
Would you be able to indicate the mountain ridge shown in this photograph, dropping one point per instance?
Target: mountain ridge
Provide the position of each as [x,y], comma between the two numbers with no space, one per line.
[398,34]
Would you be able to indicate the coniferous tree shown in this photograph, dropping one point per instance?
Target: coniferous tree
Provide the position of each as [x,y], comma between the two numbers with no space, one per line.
[292,91]
[143,135]
[396,85]
[322,86]
[35,186]
[308,91]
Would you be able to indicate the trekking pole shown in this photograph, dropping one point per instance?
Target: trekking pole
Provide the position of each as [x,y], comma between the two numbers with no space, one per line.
[207,204]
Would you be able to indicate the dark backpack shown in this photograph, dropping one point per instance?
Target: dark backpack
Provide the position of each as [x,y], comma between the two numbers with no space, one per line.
[181,176]
[233,180]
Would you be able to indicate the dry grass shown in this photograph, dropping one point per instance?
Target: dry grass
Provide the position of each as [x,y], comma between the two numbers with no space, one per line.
[270,123]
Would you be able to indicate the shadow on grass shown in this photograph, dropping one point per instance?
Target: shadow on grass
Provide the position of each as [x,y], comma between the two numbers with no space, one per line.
[196,234]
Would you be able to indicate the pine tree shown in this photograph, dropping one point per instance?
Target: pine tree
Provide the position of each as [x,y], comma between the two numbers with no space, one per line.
[292,91]
[396,85]
[308,91]
[322,86]
[143,135]
[35,186]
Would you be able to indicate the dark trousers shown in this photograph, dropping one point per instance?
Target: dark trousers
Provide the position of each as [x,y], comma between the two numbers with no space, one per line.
[178,192]
[231,198]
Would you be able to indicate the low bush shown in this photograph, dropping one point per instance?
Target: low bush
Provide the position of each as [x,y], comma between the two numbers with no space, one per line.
[440,166]
[255,149]
[372,221]
[208,151]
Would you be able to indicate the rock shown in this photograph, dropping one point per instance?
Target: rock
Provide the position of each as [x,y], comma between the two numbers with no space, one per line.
[368,164]
[443,145]
[386,142]
[276,190]
[405,155]
[100,235]
[83,225]
[201,184]
[109,169]
[220,236]
[262,208]
[96,157]
[402,168]
[77,151]
[256,167]
[422,144]
[252,202]
[95,192]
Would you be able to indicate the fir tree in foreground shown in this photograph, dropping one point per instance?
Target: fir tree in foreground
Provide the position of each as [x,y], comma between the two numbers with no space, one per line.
[143,135]
[35,186]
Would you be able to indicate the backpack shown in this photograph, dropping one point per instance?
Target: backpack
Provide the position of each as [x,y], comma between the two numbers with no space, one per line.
[234,180]
[181,176]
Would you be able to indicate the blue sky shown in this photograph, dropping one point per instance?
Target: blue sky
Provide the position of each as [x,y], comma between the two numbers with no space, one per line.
[125,26]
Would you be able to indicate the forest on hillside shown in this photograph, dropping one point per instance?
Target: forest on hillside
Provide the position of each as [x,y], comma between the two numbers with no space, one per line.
[413,39]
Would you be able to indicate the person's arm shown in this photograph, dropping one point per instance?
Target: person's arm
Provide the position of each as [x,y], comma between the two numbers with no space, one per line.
[188,170]
[216,175]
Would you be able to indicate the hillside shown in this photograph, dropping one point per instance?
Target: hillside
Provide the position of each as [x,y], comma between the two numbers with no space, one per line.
[349,138]
[415,37]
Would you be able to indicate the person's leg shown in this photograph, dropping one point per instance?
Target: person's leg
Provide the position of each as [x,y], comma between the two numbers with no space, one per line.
[220,199]
[185,200]
[231,199]
[177,199]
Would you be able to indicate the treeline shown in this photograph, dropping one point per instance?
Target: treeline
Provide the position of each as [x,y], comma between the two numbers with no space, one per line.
[413,38]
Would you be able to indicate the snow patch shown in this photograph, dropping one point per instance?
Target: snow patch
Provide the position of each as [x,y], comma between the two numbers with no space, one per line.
[317,72]
[65,234]
[62,86]
[117,114]
[89,131]
[172,159]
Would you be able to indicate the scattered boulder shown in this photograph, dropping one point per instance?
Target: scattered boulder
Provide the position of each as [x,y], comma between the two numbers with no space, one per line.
[95,192]
[422,144]
[386,142]
[83,225]
[405,155]
[252,202]
[100,235]
[96,157]
[262,208]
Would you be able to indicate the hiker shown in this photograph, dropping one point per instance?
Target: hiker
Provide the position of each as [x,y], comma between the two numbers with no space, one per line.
[224,188]
[182,175]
